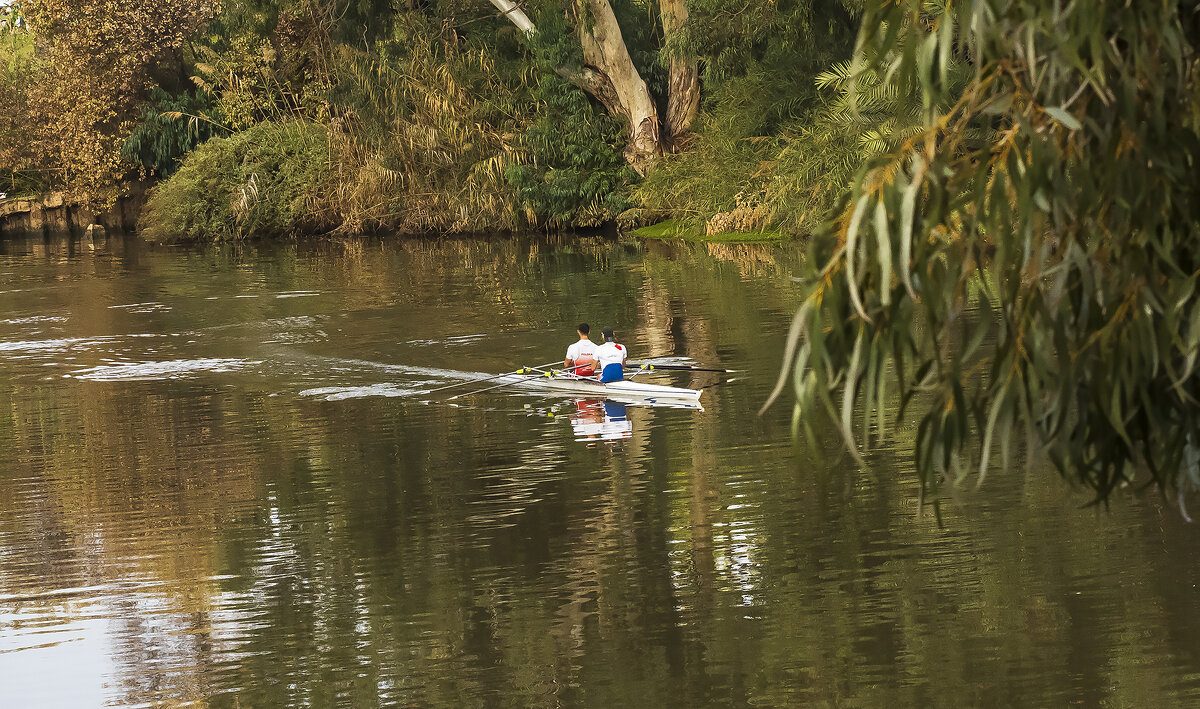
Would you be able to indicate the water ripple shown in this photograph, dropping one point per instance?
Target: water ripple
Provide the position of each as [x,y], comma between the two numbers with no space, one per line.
[141,307]
[359,392]
[33,320]
[171,369]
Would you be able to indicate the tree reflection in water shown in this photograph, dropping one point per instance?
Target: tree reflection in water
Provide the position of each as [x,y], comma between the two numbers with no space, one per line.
[224,536]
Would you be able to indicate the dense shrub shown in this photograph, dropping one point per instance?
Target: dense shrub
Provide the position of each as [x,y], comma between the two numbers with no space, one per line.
[575,173]
[767,151]
[261,182]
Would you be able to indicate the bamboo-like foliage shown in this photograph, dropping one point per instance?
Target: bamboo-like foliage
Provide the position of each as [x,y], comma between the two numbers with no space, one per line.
[874,109]
[169,128]
[282,76]
[1036,288]
[427,132]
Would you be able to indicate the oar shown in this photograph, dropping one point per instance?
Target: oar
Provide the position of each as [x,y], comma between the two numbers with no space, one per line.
[684,368]
[487,379]
[505,384]
[640,369]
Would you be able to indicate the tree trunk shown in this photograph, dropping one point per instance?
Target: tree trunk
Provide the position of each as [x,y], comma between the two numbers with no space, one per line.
[683,76]
[608,74]
[604,50]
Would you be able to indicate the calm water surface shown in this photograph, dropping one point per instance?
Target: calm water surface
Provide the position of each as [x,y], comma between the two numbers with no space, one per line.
[221,484]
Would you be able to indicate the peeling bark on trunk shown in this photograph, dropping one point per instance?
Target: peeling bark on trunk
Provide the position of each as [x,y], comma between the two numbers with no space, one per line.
[604,50]
[683,77]
[608,74]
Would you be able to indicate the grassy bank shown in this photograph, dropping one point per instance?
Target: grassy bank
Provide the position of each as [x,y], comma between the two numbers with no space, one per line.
[677,230]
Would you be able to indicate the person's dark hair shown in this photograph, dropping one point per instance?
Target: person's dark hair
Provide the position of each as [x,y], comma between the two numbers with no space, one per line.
[584,328]
[608,335]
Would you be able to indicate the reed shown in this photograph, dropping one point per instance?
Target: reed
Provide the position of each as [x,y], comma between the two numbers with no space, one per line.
[425,130]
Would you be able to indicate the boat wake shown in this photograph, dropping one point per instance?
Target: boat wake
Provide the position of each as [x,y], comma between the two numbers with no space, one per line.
[151,371]
[360,392]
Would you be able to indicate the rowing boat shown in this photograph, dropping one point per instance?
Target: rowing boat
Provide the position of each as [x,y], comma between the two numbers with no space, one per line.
[626,389]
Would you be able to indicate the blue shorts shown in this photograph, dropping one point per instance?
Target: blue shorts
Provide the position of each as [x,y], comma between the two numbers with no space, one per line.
[612,373]
[614,410]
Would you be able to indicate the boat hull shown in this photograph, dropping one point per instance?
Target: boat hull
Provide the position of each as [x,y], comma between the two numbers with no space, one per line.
[625,389]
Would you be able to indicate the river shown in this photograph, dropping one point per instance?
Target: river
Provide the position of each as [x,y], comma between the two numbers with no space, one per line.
[223,483]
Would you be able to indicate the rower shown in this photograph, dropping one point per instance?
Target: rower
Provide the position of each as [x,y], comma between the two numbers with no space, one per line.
[611,357]
[581,355]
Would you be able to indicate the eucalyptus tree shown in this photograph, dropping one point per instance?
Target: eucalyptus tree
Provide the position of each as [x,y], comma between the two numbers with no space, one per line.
[607,72]
[1023,266]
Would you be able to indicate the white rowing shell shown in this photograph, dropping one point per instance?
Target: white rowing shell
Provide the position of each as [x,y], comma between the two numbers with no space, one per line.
[591,387]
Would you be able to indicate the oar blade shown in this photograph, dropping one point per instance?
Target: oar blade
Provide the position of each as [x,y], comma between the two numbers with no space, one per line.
[687,368]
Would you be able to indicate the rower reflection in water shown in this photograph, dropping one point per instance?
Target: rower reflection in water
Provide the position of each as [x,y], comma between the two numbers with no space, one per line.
[596,420]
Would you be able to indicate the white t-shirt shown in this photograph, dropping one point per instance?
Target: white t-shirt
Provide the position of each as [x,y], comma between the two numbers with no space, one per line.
[610,353]
[582,348]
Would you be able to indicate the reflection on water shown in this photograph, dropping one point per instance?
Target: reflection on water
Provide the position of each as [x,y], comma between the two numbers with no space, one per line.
[224,482]
[596,420]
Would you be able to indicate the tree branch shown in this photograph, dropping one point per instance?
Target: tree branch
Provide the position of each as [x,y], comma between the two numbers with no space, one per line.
[516,14]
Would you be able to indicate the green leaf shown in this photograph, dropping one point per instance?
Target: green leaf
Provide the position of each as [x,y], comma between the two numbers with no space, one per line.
[884,244]
[1062,116]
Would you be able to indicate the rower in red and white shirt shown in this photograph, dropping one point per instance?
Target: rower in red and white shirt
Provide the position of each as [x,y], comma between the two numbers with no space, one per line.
[611,357]
[581,355]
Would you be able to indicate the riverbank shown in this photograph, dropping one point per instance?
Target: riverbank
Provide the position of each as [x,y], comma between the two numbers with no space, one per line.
[58,213]
[428,119]
[300,178]
[55,214]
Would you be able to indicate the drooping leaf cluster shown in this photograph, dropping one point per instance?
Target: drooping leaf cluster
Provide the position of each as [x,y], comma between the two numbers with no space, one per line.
[1023,270]
[170,127]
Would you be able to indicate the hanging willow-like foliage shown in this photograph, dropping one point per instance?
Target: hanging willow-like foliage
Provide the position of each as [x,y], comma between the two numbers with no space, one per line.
[1024,267]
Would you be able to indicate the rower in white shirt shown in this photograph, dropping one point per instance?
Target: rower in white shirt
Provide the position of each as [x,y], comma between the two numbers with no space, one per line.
[611,357]
[581,355]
